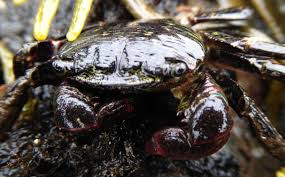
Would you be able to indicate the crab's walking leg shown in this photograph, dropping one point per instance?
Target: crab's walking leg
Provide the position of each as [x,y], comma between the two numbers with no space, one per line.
[245,53]
[223,15]
[204,126]
[15,96]
[25,64]
[75,111]
[12,102]
[246,108]
[33,54]
[243,43]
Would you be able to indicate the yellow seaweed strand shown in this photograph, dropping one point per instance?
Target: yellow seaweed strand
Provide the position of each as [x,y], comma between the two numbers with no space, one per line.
[28,109]
[6,58]
[19,2]
[281,172]
[80,14]
[45,14]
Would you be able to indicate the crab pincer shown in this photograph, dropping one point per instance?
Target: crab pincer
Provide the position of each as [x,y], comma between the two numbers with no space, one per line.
[204,127]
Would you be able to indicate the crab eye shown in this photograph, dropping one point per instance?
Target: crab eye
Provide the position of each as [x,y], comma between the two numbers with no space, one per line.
[59,68]
[179,69]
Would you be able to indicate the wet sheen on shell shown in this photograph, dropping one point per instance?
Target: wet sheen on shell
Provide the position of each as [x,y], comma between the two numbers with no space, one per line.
[134,55]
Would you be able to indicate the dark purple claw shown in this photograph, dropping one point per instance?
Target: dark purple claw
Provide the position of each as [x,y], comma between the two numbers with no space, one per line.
[73,111]
[205,125]
[76,112]
[207,116]
[174,143]
[168,142]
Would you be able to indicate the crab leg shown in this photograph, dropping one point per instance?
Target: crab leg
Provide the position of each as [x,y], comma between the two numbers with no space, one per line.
[229,14]
[243,44]
[12,102]
[246,53]
[16,95]
[223,15]
[33,54]
[246,108]
[204,127]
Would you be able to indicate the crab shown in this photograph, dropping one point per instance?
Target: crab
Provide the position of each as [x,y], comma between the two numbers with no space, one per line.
[108,70]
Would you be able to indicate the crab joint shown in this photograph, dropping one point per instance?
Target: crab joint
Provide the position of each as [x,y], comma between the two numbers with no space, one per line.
[81,11]
[45,14]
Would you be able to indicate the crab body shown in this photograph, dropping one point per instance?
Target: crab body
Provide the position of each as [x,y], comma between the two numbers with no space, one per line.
[136,59]
[136,56]
[101,74]
[139,57]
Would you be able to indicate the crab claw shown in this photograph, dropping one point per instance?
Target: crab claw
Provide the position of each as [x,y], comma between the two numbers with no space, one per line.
[204,128]
[74,111]
[174,143]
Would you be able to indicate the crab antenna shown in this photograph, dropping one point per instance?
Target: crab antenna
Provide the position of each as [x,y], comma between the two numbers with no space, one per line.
[81,11]
[43,19]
